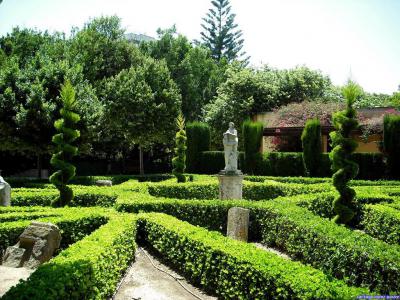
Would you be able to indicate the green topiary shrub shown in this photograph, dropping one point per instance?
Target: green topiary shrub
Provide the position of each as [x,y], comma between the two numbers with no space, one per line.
[179,160]
[198,140]
[252,138]
[391,144]
[312,147]
[345,169]
[64,150]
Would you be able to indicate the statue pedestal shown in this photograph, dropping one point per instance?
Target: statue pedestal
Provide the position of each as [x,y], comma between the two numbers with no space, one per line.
[230,185]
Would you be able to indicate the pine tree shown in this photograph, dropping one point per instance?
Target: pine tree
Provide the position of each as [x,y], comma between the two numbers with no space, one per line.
[66,135]
[220,34]
[179,160]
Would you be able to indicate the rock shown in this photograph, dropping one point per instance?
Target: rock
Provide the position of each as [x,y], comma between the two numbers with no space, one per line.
[103,182]
[36,245]
[5,193]
[230,186]
[238,223]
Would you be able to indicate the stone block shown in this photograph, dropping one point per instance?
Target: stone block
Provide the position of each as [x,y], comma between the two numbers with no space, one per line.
[238,223]
[103,182]
[230,186]
[36,245]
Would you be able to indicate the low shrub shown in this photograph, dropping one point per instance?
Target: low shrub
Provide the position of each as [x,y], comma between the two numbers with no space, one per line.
[74,223]
[88,269]
[222,266]
[382,222]
[251,190]
[336,250]
[88,196]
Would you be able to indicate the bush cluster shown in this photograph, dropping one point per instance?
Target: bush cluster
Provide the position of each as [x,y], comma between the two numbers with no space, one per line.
[222,265]
[88,269]
[336,250]
[391,143]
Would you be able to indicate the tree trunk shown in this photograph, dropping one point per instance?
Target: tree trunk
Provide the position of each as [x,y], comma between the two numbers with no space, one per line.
[141,166]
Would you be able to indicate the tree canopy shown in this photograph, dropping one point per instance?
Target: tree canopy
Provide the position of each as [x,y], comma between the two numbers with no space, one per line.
[220,33]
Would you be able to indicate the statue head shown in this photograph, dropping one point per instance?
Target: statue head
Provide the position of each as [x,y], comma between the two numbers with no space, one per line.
[231,125]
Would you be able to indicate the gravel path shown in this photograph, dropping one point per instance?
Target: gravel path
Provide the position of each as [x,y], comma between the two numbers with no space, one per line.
[145,282]
[11,276]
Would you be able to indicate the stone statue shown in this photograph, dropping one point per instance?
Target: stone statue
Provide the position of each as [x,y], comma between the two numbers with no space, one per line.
[230,142]
[5,193]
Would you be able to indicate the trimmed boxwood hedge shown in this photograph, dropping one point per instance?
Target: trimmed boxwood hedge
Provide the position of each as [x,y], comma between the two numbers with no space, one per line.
[88,269]
[74,223]
[251,190]
[338,251]
[236,270]
[382,222]
[84,196]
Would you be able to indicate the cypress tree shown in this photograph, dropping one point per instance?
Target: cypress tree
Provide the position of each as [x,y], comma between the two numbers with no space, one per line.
[220,34]
[312,147]
[345,169]
[178,162]
[391,144]
[65,150]
[198,140]
[252,138]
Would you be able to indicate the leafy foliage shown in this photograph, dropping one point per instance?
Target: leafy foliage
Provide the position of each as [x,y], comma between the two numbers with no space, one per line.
[65,150]
[345,169]
[146,101]
[179,160]
[192,68]
[312,147]
[220,34]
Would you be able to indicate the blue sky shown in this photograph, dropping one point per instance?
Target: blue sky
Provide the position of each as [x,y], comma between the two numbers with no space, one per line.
[360,38]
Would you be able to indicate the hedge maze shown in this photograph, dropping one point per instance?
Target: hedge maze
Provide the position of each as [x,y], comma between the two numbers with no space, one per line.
[185,224]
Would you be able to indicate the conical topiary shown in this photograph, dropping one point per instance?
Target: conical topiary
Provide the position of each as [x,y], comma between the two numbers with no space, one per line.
[345,169]
[179,160]
[66,135]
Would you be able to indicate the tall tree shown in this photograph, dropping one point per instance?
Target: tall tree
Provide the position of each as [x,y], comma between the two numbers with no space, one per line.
[220,33]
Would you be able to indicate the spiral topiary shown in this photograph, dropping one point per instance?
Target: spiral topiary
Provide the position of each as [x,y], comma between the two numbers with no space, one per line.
[64,150]
[178,162]
[345,169]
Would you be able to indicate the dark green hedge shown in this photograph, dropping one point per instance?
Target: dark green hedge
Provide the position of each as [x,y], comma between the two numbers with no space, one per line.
[19,182]
[371,165]
[88,269]
[211,162]
[236,270]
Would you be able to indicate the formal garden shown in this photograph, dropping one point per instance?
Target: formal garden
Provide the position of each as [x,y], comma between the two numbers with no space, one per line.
[151,144]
